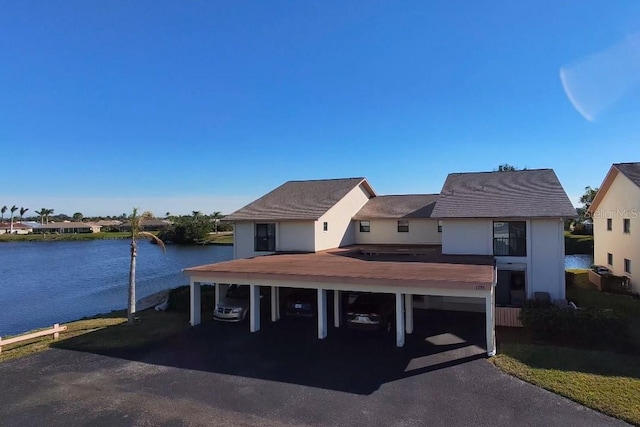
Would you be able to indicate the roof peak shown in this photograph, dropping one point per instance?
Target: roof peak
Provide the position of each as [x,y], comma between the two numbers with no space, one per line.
[327,179]
[488,172]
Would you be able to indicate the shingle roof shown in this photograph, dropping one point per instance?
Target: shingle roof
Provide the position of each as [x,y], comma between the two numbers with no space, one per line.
[630,170]
[298,200]
[70,224]
[400,206]
[533,193]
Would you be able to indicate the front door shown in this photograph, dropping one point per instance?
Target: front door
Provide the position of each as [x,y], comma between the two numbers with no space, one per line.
[265,237]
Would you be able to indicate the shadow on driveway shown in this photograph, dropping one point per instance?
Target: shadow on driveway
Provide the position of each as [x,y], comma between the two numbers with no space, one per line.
[288,351]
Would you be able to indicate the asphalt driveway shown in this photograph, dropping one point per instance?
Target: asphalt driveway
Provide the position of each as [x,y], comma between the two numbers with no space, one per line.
[220,374]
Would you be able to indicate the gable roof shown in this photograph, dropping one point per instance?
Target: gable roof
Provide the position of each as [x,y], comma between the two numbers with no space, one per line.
[533,193]
[398,206]
[630,170]
[299,200]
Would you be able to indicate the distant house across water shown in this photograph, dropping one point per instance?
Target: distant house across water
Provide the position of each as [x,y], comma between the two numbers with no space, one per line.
[18,228]
[68,227]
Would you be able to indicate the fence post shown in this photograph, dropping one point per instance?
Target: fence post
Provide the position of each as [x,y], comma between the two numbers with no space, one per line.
[56,334]
[0,344]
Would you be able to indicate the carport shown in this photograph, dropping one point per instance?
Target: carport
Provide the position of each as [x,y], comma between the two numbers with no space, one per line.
[403,273]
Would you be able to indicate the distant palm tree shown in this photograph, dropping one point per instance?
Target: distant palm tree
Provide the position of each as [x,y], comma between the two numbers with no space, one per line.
[22,212]
[2,211]
[216,216]
[13,209]
[196,214]
[136,233]
[49,212]
[42,212]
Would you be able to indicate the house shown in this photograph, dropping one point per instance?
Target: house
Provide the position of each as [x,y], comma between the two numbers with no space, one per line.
[67,227]
[18,228]
[147,224]
[486,239]
[615,211]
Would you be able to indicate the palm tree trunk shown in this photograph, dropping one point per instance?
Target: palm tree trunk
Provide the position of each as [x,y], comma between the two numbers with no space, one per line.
[131,312]
[11,229]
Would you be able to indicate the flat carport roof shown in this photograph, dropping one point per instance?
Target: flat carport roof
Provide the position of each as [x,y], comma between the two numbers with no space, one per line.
[421,267]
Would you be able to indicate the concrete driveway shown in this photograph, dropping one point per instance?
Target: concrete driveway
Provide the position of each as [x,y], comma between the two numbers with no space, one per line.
[220,374]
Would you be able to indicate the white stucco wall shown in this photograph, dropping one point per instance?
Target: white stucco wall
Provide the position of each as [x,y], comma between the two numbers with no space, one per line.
[546,259]
[244,240]
[295,236]
[467,236]
[622,200]
[341,227]
[385,231]
[544,263]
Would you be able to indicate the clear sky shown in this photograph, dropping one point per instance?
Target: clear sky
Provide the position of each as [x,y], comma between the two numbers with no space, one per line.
[205,105]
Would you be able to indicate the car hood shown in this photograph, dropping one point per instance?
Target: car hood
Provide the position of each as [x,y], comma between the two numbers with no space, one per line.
[233,303]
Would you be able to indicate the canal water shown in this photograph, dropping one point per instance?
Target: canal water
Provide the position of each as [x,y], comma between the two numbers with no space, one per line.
[42,283]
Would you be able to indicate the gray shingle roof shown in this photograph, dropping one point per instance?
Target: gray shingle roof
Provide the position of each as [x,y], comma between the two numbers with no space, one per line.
[630,170]
[533,193]
[401,206]
[298,200]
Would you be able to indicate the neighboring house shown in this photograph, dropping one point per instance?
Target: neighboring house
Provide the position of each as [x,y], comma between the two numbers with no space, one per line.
[67,227]
[486,239]
[151,224]
[615,211]
[18,228]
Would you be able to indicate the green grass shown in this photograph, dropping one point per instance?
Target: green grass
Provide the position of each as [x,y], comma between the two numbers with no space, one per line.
[607,382]
[49,237]
[222,238]
[577,244]
[106,333]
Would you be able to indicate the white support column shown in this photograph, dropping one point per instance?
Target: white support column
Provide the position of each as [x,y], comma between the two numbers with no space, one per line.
[399,320]
[195,306]
[322,314]
[254,308]
[274,303]
[408,310]
[490,306]
[216,289]
[337,308]
[277,303]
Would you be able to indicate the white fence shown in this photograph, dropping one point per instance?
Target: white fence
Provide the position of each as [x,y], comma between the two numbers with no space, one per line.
[55,331]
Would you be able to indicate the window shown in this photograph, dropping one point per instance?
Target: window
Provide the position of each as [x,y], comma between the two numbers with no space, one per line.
[610,259]
[626,225]
[325,226]
[627,266]
[403,226]
[439,226]
[609,224]
[510,238]
[365,227]
[265,238]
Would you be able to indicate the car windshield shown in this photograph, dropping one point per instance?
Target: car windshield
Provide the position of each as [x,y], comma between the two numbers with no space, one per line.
[367,303]
[238,292]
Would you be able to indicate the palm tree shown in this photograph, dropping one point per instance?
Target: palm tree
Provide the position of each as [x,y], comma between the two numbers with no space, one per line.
[2,211]
[42,212]
[136,233]
[216,216]
[196,214]
[48,212]
[22,212]
[13,209]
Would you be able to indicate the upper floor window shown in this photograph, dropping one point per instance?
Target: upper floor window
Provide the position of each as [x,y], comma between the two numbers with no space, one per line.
[325,226]
[403,226]
[265,237]
[609,224]
[626,225]
[365,226]
[510,238]
[439,226]
[627,266]
[609,259]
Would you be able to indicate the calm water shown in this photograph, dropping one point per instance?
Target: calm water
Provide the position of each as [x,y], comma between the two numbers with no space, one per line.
[578,261]
[42,283]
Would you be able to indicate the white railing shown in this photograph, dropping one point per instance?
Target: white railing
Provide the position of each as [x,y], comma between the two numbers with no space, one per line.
[55,331]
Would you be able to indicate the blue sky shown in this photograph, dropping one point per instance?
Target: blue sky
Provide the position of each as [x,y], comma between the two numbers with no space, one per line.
[203,105]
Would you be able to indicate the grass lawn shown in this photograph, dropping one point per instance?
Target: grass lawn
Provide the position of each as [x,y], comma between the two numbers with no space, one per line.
[606,381]
[221,238]
[106,332]
[577,244]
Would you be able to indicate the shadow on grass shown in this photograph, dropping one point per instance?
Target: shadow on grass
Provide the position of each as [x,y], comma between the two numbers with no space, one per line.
[595,362]
[288,351]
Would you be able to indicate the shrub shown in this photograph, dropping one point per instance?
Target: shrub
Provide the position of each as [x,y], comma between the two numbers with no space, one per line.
[592,326]
[616,284]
